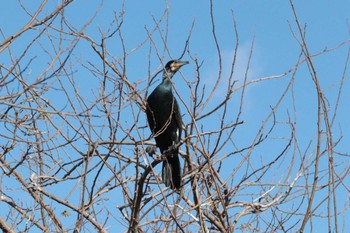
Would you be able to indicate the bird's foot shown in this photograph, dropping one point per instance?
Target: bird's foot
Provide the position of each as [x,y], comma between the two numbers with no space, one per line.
[170,150]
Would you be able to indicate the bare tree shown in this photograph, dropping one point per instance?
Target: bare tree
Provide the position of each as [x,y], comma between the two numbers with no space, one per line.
[74,135]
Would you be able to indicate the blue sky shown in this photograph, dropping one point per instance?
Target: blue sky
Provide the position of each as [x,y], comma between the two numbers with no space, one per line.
[270,24]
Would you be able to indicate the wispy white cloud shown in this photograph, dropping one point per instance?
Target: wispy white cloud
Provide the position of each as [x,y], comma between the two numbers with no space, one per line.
[211,73]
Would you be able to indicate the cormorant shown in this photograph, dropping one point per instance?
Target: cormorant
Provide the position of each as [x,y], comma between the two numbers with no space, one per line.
[164,119]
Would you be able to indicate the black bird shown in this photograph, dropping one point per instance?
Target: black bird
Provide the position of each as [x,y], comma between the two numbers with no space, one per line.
[164,119]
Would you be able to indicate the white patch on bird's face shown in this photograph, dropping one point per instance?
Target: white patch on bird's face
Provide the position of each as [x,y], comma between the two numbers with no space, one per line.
[177,133]
[174,67]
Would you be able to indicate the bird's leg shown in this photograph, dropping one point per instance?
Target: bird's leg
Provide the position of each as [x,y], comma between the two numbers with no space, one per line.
[170,149]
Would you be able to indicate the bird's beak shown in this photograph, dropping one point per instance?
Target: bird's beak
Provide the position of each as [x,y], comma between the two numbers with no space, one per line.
[177,65]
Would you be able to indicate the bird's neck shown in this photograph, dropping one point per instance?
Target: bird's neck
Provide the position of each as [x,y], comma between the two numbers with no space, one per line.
[166,78]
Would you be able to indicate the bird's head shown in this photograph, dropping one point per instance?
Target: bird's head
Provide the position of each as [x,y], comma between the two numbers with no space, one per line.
[174,65]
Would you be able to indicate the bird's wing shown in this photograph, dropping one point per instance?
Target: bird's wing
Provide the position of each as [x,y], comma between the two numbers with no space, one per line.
[150,117]
[178,118]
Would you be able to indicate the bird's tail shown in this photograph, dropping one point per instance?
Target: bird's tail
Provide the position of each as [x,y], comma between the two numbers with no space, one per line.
[171,172]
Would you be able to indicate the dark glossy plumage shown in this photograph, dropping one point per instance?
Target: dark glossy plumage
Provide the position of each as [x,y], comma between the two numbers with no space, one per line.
[164,119]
